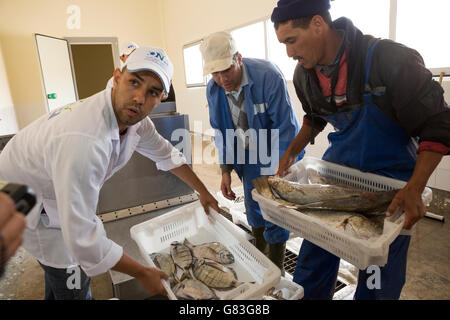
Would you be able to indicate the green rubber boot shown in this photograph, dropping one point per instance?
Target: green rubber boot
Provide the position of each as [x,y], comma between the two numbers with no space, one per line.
[261,243]
[277,253]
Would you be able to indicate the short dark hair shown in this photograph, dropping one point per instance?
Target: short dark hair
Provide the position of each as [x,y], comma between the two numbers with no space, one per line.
[304,22]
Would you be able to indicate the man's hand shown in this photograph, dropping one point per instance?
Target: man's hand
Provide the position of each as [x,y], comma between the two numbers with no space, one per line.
[207,201]
[225,186]
[286,161]
[150,279]
[12,225]
[297,145]
[408,200]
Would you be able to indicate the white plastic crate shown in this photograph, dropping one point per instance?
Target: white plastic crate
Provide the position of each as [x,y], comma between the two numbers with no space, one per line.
[235,208]
[190,221]
[359,252]
[290,289]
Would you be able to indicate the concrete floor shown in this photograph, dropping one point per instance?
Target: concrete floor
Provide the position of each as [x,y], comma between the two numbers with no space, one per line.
[428,269]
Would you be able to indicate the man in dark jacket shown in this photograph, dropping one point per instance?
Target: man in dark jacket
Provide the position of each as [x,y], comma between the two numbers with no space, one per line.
[389,116]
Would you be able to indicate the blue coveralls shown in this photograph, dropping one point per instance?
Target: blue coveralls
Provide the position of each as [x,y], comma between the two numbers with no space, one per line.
[365,139]
[268,107]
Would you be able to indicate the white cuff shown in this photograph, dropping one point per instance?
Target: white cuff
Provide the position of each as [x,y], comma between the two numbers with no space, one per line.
[109,261]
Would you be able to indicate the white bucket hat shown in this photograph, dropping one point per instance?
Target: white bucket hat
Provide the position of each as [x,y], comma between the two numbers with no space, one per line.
[152,59]
[217,50]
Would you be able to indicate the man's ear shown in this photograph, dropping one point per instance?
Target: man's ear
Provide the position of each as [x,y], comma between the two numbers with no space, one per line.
[240,59]
[117,74]
[318,24]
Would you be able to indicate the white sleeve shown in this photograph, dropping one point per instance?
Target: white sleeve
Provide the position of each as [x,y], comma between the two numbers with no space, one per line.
[78,167]
[153,146]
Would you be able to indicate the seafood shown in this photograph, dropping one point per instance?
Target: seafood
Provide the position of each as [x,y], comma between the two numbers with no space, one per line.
[193,290]
[324,197]
[182,257]
[308,193]
[165,262]
[215,275]
[360,215]
[362,227]
[351,223]
[273,294]
[371,203]
[212,250]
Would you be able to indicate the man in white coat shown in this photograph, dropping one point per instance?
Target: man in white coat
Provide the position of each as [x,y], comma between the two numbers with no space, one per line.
[67,155]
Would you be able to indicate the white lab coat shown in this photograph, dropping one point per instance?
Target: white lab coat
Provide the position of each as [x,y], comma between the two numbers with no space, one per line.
[66,156]
[110,83]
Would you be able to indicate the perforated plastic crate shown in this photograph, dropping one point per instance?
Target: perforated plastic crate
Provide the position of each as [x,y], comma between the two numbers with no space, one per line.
[190,221]
[294,291]
[236,208]
[359,252]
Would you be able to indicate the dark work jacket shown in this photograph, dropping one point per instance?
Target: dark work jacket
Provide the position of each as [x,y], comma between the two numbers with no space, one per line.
[412,98]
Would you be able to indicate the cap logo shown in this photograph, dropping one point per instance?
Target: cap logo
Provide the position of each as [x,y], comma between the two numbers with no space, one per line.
[157,55]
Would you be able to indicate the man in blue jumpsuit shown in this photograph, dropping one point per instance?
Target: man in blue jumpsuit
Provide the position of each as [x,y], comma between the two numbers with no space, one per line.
[389,116]
[250,109]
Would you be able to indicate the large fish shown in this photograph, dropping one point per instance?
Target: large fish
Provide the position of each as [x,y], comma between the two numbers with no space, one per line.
[192,289]
[212,250]
[165,262]
[182,257]
[215,275]
[371,203]
[336,210]
[363,227]
[308,193]
[351,223]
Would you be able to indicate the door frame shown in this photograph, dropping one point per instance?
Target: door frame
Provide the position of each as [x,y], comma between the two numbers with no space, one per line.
[113,41]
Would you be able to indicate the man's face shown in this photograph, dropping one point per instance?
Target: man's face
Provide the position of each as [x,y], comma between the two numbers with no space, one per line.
[304,45]
[230,79]
[135,95]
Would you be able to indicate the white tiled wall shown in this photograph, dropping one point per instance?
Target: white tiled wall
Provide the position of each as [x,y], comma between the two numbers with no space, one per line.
[441,176]
[442,179]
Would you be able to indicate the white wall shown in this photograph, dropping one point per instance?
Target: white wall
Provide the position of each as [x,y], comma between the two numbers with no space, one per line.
[441,177]
[167,23]
[188,21]
[136,20]
[8,122]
